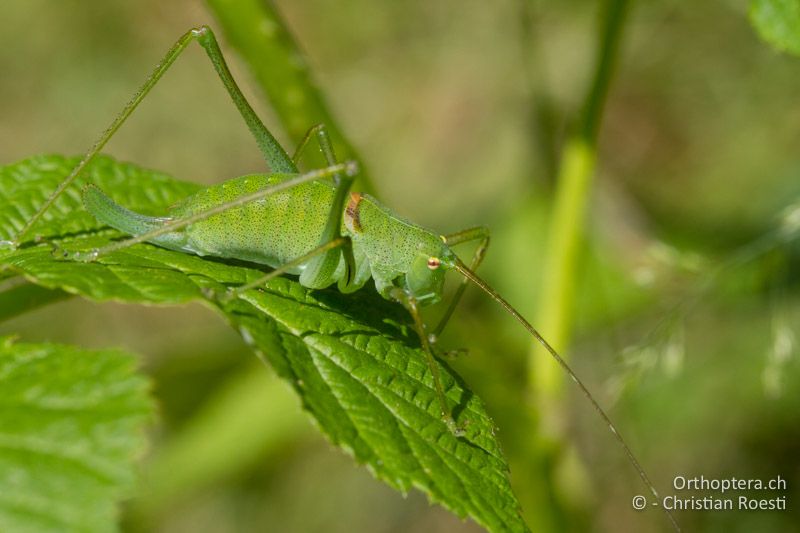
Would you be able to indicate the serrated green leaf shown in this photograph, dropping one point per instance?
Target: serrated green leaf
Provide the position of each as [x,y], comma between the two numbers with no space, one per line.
[778,23]
[357,369]
[18,296]
[71,424]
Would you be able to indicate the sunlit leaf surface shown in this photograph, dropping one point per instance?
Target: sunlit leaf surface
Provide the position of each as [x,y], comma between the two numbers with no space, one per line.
[353,360]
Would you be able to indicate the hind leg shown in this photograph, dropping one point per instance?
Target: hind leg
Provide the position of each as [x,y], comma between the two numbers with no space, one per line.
[274,154]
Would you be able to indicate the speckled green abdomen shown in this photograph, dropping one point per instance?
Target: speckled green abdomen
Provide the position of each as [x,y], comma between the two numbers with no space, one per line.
[272,231]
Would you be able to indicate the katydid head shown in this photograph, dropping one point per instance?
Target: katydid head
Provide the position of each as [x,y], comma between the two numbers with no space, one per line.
[425,278]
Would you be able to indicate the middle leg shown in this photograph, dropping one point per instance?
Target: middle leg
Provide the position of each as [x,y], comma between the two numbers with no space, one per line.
[410,303]
[479,233]
[330,245]
[318,270]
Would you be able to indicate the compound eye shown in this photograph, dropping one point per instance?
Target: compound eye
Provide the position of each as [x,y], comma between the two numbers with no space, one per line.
[433,263]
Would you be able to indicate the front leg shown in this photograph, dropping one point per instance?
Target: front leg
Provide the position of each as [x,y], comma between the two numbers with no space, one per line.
[479,233]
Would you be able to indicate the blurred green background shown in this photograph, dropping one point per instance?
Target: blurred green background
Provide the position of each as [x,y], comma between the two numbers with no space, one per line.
[686,319]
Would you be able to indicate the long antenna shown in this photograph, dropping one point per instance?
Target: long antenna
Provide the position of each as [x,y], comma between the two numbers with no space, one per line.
[470,275]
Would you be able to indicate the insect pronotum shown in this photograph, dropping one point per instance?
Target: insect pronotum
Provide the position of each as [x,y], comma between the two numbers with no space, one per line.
[335,236]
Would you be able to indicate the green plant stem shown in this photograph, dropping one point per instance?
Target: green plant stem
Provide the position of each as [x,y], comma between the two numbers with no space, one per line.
[543,118]
[559,281]
[613,22]
[567,222]
[257,31]
[563,255]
